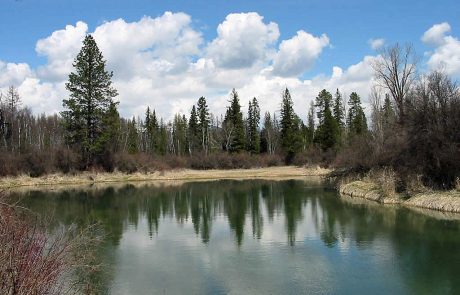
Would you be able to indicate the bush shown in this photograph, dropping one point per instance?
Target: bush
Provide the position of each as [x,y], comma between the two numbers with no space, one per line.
[66,160]
[37,164]
[35,262]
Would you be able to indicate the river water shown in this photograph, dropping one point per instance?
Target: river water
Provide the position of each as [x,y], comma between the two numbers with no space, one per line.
[257,237]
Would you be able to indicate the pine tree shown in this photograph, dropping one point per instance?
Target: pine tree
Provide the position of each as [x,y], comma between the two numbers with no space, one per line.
[327,134]
[193,131]
[290,136]
[339,109]
[311,123]
[91,95]
[203,124]
[234,123]
[356,121]
[132,140]
[253,126]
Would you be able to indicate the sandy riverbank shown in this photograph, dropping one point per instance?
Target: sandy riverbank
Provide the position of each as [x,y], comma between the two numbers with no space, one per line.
[171,175]
[446,201]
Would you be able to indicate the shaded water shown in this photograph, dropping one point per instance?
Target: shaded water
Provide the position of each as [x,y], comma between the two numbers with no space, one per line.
[258,237]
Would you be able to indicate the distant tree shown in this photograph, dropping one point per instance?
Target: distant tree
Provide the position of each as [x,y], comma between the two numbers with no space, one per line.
[203,124]
[194,134]
[395,70]
[179,134]
[269,134]
[91,96]
[253,126]
[234,123]
[311,123]
[339,110]
[356,122]
[327,134]
[132,141]
[291,140]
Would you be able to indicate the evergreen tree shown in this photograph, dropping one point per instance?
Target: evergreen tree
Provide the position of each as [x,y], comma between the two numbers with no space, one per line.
[193,131]
[356,121]
[234,123]
[179,134]
[162,140]
[311,123]
[327,134]
[389,115]
[290,136]
[253,126]
[339,110]
[132,140]
[91,96]
[203,124]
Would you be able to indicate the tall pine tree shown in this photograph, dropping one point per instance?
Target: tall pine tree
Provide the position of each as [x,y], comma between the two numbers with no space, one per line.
[234,123]
[356,121]
[91,96]
[327,134]
[253,126]
[290,136]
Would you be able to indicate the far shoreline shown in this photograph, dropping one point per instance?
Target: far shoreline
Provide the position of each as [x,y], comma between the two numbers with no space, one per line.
[85,178]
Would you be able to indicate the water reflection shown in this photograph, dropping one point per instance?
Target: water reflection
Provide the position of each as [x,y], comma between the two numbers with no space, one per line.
[275,228]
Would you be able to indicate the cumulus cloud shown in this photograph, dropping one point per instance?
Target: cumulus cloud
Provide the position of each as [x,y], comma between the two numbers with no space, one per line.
[13,74]
[435,35]
[376,44]
[242,40]
[163,63]
[446,53]
[60,49]
[296,55]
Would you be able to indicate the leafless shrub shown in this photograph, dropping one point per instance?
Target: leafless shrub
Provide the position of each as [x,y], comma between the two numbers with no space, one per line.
[33,261]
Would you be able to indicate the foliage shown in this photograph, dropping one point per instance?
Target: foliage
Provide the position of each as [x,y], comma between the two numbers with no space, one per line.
[91,95]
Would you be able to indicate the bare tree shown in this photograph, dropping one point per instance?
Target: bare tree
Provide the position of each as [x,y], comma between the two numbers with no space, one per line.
[395,70]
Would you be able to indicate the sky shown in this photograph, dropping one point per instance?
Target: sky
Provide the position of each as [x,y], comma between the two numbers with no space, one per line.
[166,54]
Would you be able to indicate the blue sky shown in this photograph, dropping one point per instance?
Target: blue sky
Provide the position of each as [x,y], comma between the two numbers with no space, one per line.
[348,25]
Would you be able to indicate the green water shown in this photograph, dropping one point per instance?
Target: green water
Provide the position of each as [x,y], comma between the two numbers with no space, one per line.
[258,237]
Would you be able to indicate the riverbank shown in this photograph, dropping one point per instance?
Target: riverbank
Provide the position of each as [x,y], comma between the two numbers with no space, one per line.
[446,201]
[169,175]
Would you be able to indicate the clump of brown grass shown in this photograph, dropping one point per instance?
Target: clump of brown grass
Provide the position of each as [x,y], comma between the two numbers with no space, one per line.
[385,179]
[457,184]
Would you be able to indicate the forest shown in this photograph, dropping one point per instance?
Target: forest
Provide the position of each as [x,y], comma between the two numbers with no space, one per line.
[411,128]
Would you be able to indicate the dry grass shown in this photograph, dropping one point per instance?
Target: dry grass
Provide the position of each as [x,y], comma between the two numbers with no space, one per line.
[170,175]
[385,179]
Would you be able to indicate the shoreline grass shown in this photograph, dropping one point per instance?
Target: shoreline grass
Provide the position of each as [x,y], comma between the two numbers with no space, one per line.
[168,175]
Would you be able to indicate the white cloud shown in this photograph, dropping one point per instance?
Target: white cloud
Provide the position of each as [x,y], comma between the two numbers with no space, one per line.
[13,74]
[296,55]
[162,62]
[376,44]
[435,35]
[446,54]
[60,49]
[242,40]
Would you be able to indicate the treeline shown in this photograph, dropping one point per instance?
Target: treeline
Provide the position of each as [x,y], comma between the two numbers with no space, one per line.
[413,128]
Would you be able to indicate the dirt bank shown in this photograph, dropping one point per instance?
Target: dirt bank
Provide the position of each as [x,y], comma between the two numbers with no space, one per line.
[447,201]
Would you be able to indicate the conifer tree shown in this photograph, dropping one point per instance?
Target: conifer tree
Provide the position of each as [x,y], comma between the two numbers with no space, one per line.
[339,110]
[291,140]
[356,121]
[132,140]
[193,131]
[253,126]
[203,124]
[91,96]
[234,122]
[327,133]
[311,123]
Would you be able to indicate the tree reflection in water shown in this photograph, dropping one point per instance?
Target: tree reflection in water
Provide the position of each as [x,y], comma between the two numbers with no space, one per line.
[427,248]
